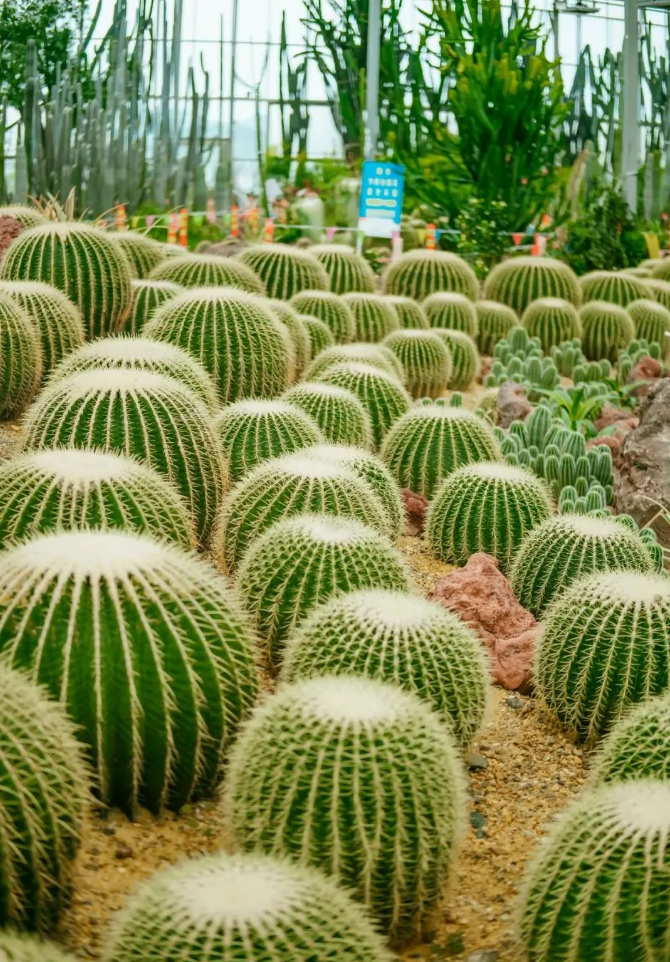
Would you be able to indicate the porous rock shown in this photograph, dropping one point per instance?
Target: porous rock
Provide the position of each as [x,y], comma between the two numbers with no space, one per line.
[513,405]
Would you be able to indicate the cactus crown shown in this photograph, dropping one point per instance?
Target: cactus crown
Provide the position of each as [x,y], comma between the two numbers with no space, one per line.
[329,308]
[26,216]
[285,271]
[24,948]
[614,287]
[340,416]
[348,272]
[199,270]
[419,273]
[453,311]
[411,314]
[142,252]
[373,354]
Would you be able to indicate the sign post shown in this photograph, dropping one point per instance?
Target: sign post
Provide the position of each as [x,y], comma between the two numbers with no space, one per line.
[382,189]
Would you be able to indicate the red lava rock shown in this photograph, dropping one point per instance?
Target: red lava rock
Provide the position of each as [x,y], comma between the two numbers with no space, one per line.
[481,596]
[512,403]
[613,441]
[611,415]
[416,507]
[646,369]
[9,229]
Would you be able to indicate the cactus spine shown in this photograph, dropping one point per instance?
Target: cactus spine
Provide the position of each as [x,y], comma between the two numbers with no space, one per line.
[320,335]
[374,354]
[411,315]
[494,322]
[660,291]
[382,396]
[199,270]
[606,329]
[26,216]
[348,272]
[520,280]
[339,415]
[297,332]
[652,322]
[374,317]
[142,252]
[464,358]
[552,321]
[638,746]
[329,308]
[455,312]
[20,358]
[147,297]
[614,287]
[56,318]
[285,271]
[419,273]
[425,359]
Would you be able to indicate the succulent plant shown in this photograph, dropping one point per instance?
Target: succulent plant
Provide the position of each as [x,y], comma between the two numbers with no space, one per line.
[597,890]
[147,297]
[329,308]
[234,335]
[44,491]
[201,270]
[426,361]
[255,431]
[382,396]
[456,312]
[297,331]
[464,358]
[329,769]
[347,270]
[139,414]
[56,318]
[374,317]
[605,646]
[320,335]
[535,373]
[569,547]
[144,645]
[20,358]
[614,287]
[285,271]
[660,269]
[142,252]
[419,273]
[552,320]
[29,948]
[652,322]
[26,216]
[638,745]
[660,291]
[606,329]
[82,262]
[637,271]
[339,414]
[567,355]
[431,441]
[243,908]
[520,280]
[630,356]
[410,313]
[517,343]
[374,354]
[399,638]
[486,507]
[495,321]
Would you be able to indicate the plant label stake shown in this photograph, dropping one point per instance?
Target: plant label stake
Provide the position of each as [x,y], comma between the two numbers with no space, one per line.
[431,237]
[211,210]
[269,230]
[173,227]
[234,221]
[183,227]
[121,218]
[382,190]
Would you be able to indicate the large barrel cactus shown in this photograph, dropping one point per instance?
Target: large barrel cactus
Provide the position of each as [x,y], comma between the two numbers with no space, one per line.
[347,270]
[147,298]
[419,273]
[56,318]
[494,322]
[425,359]
[285,271]
[297,332]
[465,363]
[320,335]
[375,355]
[374,317]
[520,280]
[382,396]
[20,358]
[199,270]
[614,287]
[329,308]
[410,313]
[339,415]
[456,312]
[638,746]
[652,322]
[142,252]
[607,329]
[552,320]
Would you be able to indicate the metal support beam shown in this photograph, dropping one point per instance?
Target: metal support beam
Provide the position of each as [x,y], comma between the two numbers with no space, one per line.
[372,79]
[631,104]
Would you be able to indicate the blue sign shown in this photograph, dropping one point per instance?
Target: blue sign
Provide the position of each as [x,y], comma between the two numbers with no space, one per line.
[382,189]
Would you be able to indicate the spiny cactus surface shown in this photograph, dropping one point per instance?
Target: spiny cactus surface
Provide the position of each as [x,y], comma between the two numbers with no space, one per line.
[285,271]
[320,335]
[57,320]
[660,291]
[26,216]
[494,322]
[199,270]
[147,297]
[329,308]
[453,311]
[374,317]
[552,320]
[607,328]
[411,314]
[348,271]
[142,252]
[382,396]
[419,273]
[652,322]
[464,358]
[21,359]
[338,414]
[613,287]
[520,280]
[28,948]
[425,359]
[638,745]
[374,354]
[297,332]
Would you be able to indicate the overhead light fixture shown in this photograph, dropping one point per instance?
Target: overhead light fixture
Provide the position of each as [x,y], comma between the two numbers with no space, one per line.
[580,8]
[654,4]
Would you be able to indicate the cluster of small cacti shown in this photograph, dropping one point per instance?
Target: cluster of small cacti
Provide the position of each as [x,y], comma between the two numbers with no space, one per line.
[338,414]
[382,395]
[552,321]
[419,273]
[633,354]
[199,270]
[494,322]
[607,328]
[425,359]
[614,287]
[535,375]
[284,271]
[347,270]
[329,308]
[455,312]
[520,280]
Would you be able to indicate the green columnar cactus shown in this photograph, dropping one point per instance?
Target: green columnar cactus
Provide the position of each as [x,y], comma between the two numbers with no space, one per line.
[399,638]
[320,335]
[138,414]
[494,323]
[26,948]
[597,890]
[148,296]
[486,507]
[329,308]
[567,355]
[520,280]
[660,291]
[606,329]
[613,287]
[56,318]
[431,441]
[359,778]
[410,313]
[255,431]
[419,273]
[142,252]
[552,320]
[20,358]
[44,491]
[638,746]
[287,486]
[285,271]
[26,216]
[570,547]
[82,262]
[456,312]
[425,359]
[464,358]
[374,354]
[374,317]
[348,271]
[199,270]
[652,322]
[382,396]
[234,335]
[605,646]
[339,415]
[536,374]
[243,908]
[298,333]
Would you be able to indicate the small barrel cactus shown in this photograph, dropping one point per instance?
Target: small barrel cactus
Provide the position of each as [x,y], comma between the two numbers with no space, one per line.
[456,312]
[199,270]
[597,890]
[44,491]
[329,769]
[148,296]
[243,908]
[652,322]
[494,322]
[28,948]
[285,271]
[419,273]
[374,317]
[660,269]
[552,320]
[320,335]
[297,332]
[21,362]
[486,507]
[81,261]
[425,359]
[382,396]
[464,358]
[569,547]
[614,287]
[374,354]
[638,746]
[25,215]
[144,645]
[339,414]
[399,638]
[56,318]
[411,314]
[138,414]
[234,335]
[520,280]
[605,646]
[347,270]
[660,291]
[607,328]
[329,308]
[142,252]
[254,431]
[431,441]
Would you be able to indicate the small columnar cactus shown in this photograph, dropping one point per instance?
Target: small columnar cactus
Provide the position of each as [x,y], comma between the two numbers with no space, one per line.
[329,770]
[638,745]
[255,431]
[44,491]
[419,273]
[339,414]
[320,335]
[614,287]
[148,296]
[382,396]
[425,359]
[243,908]
[552,320]
[56,318]
[607,328]
[138,414]
[347,270]
[28,948]
[329,308]
[605,646]
[81,261]
[234,335]
[144,645]
[374,354]
[494,322]
[660,291]
[520,280]
[285,271]
[633,354]
[456,312]
[374,317]
[464,358]
[25,215]
[20,357]
[652,322]
[142,252]
[569,547]
[410,313]
[297,331]
[486,507]
[399,638]
[597,890]
[431,441]
[199,270]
